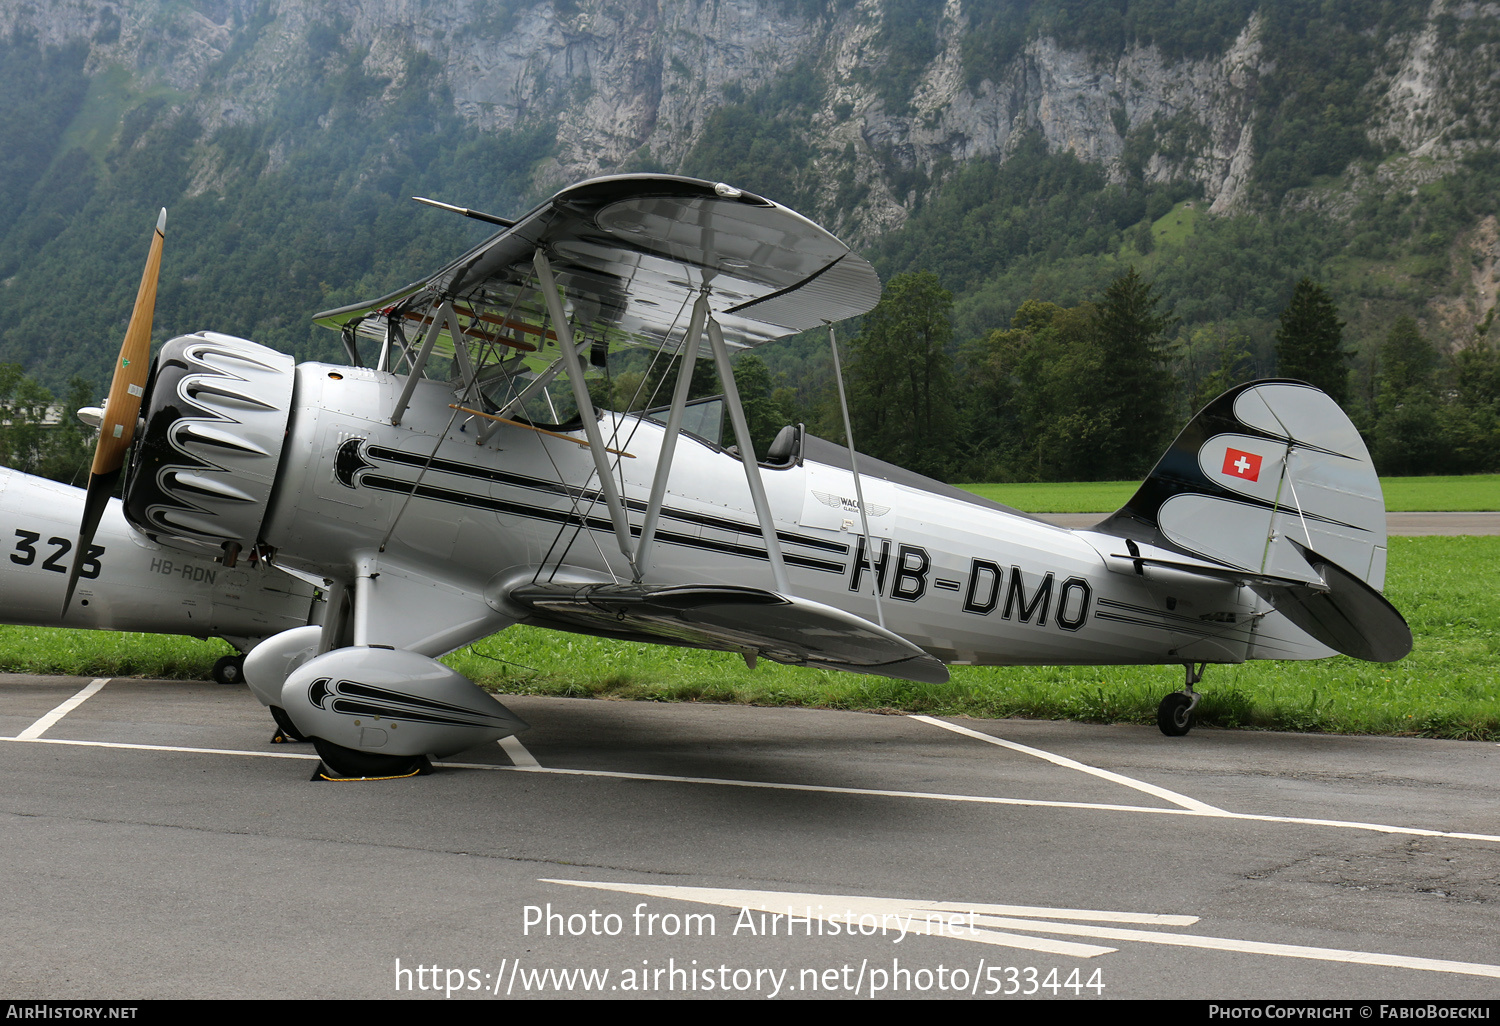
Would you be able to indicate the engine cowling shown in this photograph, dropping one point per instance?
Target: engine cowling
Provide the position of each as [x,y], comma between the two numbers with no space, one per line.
[215,416]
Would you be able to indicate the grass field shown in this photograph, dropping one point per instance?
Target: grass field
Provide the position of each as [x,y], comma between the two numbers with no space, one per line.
[1476,492]
[1448,588]
[1472,493]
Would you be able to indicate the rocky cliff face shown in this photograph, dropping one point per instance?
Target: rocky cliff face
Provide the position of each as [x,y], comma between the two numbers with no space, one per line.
[1087,106]
[637,80]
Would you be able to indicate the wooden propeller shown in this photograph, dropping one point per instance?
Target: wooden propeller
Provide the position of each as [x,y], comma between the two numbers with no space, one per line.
[123,408]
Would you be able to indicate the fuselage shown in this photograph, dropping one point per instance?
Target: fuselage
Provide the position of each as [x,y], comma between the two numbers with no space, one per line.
[967,582]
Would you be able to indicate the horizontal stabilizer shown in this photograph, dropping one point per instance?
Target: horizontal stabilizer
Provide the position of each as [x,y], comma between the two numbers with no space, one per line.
[1332,605]
[1346,614]
[1218,573]
[731,619]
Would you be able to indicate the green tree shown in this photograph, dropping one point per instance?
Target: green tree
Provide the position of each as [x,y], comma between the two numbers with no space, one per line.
[1408,434]
[23,409]
[1143,238]
[661,379]
[1471,420]
[1309,341]
[625,390]
[901,375]
[1135,392]
[1212,362]
[764,414]
[69,449]
[1033,396]
[1407,361]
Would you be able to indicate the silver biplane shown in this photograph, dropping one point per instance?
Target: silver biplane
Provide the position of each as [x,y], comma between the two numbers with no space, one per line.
[448,486]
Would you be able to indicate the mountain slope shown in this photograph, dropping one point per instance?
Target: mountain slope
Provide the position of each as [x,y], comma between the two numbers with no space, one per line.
[1022,150]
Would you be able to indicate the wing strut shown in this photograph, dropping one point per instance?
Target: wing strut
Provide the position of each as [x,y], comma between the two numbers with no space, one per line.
[444,313]
[689,361]
[859,494]
[468,376]
[564,332]
[747,457]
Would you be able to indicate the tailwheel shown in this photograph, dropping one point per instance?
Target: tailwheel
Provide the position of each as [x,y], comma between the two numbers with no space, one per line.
[230,670]
[1175,714]
[340,763]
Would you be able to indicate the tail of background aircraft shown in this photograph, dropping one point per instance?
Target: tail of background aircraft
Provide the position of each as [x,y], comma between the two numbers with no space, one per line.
[1272,485]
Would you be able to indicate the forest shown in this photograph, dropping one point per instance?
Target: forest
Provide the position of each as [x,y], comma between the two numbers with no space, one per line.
[1096,390]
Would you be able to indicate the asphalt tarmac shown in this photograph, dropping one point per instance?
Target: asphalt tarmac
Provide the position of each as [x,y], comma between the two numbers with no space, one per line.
[153,843]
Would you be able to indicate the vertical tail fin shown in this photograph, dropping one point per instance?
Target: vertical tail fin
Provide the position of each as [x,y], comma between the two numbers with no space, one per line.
[1266,464]
[1272,480]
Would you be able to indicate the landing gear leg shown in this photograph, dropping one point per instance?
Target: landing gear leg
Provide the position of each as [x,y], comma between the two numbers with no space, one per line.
[1175,714]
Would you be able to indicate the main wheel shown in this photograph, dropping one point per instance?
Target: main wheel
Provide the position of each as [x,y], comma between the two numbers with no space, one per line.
[230,670]
[1174,716]
[346,762]
[289,729]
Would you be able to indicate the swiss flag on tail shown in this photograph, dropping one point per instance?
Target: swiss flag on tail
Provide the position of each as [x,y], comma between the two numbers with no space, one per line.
[1242,465]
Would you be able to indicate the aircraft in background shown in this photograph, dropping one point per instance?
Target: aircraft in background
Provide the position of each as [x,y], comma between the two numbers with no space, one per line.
[127,582]
[448,487]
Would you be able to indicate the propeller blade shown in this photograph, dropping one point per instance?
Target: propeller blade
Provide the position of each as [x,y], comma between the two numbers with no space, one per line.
[122,409]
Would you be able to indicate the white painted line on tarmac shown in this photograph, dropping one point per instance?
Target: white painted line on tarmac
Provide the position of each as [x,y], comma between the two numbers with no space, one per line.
[838,908]
[1058,760]
[853,914]
[1193,805]
[1349,824]
[768,900]
[1381,828]
[518,753]
[1187,940]
[41,726]
[822,788]
[830,789]
[160,748]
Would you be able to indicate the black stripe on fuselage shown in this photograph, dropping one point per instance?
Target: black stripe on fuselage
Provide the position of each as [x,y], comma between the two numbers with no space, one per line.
[411,459]
[1100,614]
[1166,620]
[562,516]
[1158,614]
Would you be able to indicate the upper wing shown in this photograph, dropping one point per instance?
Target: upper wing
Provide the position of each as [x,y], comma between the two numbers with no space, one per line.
[631,252]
